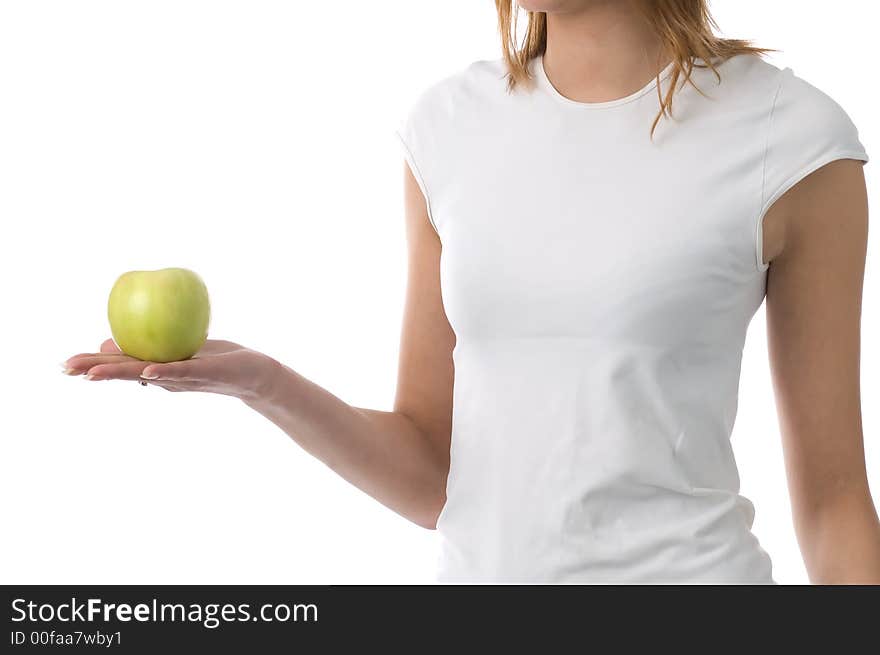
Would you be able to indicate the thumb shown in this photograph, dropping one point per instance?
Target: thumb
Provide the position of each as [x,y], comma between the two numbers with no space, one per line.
[109,346]
[187,370]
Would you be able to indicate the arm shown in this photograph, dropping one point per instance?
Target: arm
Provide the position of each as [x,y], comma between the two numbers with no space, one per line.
[401,457]
[816,236]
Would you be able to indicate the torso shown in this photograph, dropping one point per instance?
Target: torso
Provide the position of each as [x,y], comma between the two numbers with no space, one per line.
[600,286]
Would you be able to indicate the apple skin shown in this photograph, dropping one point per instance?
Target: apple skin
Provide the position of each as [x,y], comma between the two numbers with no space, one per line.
[159,316]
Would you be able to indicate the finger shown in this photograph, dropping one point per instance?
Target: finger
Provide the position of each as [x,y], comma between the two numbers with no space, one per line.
[109,346]
[79,364]
[216,346]
[188,370]
[119,371]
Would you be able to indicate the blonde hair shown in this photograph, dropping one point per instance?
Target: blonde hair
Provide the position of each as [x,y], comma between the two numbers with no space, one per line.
[685,29]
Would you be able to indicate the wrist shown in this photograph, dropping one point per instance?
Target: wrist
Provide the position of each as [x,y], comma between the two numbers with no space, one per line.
[266,380]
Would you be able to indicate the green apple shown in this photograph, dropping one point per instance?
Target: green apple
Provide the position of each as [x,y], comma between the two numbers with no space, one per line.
[159,316]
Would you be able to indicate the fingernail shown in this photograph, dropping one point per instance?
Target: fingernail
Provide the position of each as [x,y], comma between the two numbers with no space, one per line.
[66,369]
[149,376]
[94,377]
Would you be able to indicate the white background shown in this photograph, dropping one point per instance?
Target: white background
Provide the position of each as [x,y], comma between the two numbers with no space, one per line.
[254,143]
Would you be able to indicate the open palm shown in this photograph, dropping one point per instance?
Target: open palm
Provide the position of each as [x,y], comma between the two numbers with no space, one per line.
[219,367]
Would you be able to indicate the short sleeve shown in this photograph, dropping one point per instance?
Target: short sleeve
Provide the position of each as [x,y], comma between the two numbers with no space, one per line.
[807,129]
[416,140]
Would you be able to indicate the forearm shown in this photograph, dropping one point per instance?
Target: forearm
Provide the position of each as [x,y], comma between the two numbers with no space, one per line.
[384,454]
[840,540]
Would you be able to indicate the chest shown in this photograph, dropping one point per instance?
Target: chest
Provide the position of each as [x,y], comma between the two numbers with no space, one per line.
[590,232]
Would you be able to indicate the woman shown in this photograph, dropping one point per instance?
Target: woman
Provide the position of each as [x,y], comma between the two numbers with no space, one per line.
[613,200]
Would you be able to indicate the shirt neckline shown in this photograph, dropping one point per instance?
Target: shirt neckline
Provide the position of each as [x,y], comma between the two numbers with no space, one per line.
[543,81]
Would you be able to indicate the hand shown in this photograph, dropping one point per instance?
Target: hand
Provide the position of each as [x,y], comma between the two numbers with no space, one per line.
[219,367]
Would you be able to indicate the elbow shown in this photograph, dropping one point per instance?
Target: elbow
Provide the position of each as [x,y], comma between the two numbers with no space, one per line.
[430,513]
[427,523]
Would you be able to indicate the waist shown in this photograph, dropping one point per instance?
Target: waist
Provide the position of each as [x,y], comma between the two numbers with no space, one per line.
[626,533]
[570,462]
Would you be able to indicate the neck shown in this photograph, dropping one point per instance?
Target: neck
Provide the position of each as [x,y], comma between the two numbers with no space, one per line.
[602,52]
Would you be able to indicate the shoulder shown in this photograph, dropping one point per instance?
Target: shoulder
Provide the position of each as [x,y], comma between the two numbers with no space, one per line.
[807,128]
[478,76]
[748,70]
[800,105]
[745,80]
[797,124]
[468,86]
[791,99]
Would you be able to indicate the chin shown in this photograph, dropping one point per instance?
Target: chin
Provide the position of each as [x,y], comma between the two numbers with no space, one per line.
[553,6]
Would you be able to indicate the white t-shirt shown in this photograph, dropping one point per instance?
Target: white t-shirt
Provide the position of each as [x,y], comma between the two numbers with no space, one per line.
[600,285]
